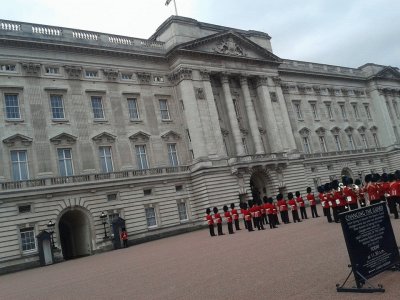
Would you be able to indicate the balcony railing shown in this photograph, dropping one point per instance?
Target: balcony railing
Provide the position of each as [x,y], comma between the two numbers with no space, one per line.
[345,152]
[74,36]
[65,180]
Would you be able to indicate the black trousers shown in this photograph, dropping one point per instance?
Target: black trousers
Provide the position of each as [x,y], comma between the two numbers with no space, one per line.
[258,223]
[327,214]
[335,214]
[249,226]
[285,216]
[303,213]
[314,212]
[392,203]
[264,219]
[211,227]
[295,215]
[230,228]
[237,224]
[353,206]
[125,243]
[271,220]
[276,219]
[219,229]
[245,223]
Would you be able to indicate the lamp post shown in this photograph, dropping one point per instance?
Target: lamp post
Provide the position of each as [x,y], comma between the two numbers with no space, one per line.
[103,217]
[51,226]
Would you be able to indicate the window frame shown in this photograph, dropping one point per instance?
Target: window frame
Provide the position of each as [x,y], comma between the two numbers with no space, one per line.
[186,211]
[337,141]
[4,70]
[95,97]
[7,118]
[139,156]
[166,109]
[155,225]
[306,144]
[48,68]
[329,110]
[364,140]
[62,107]
[322,143]
[367,111]
[355,110]
[351,143]
[19,165]
[33,237]
[297,109]
[314,109]
[343,111]
[89,71]
[65,159]
[136,102]
[106,164]
[173,164]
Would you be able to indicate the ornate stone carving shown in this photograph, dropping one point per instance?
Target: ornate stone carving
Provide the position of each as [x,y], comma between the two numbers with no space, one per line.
[18,138]
[349,129]
[335,130]
[181,74]
[261,80]
[361,129]
[144,77]
[304,132]
[31,68]
[200,94]
[63,138]
[230,47]
[244,131]
[73,71]
[170,136]
[357,93]
[331,91]
[345,91]
[320,131]
[262,130]
[285,87]
[277,80]
[205,75]
[317,89]
[373,129]
[104,137]
[111,74]
[140,136]
[301,88]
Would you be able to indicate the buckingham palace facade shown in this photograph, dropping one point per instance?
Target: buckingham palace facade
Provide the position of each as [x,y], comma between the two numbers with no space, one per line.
[96,127]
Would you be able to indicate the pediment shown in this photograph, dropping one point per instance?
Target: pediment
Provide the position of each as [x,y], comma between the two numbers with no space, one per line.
[64,138]
[140,136]
[320,131]
[361,129]
[170,136]
[349,129]
[388,73]
[104,137]
[229,44]
[335,130]
[18,139]
[304,132]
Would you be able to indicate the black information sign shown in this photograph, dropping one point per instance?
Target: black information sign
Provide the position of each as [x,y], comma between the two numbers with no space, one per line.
[370,241]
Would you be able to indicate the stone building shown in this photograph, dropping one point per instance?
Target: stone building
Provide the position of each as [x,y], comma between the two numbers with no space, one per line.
[155,131]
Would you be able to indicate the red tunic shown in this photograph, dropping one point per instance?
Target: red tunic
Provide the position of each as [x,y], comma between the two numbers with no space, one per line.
[255,211]
[293,204]
[246,214]
[311,199]
[275,209]
[228,216]
[235,214]
[300,201]
[372,191]
[350,195]
[282,205]
[218,218]
[331,200]
[386,189]
[269,208]
[209,219]
[324,200]
[339,199]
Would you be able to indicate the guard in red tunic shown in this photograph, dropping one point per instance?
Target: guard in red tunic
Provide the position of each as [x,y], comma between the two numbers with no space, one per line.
[241,205]
[124,237]
[301,204]
[360,192]
[349,193]
[264,219]
[235,216]
[392,198]
[269,209]
[210,221]
[325,203]
[218,220]
[256,214]
[229,220]
[313,203]
[247,217]
[293,206]
[333,202]
[283,208]
[275,211]
[371,188]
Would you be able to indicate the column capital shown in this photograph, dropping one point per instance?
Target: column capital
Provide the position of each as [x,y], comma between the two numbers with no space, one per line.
[224,77]
[243,79]
[180,74]
[205,75]
[277,80]
[261,80]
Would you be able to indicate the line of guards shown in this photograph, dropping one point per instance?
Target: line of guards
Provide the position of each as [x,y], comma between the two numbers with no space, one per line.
[334,197]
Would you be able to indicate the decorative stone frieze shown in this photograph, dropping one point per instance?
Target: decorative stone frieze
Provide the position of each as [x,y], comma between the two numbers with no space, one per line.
[335,130]
[317,89]
[345,91]
[373,129]
[111,74]
[301,88]
[18,138]
[361,129]
[205,75]
[349,129]
[73,72]
[181,74]
[63,138]
[320,131]
[31,68]
[200,94]
[143,77]
[285,87]
[304,132]
[104,137]
[358,93]
[331,91]
[229,46]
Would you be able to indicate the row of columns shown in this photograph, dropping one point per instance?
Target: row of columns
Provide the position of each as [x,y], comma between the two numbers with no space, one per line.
[277,142]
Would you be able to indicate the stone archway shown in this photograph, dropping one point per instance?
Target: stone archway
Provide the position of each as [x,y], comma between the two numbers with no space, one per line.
[347,172]
[74,233]
[260,185]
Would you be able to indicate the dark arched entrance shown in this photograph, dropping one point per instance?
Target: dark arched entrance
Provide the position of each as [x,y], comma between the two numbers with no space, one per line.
[347,172]
[259,184]
[74,232]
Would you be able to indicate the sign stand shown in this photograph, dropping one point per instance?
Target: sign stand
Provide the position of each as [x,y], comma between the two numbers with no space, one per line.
[360,282]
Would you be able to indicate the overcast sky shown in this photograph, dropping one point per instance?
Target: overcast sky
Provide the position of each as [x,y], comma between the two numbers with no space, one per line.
[340,32]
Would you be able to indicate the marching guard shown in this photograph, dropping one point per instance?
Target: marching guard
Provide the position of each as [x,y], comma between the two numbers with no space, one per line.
[293,205]
[300,202]
[210,221]
[247,217]
[313,203]
[394,186]
[283,208]
[228,217]
[218,220]
[235,216]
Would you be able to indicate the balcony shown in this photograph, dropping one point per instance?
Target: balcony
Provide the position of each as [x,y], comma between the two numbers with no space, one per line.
[345,152]
[87,178]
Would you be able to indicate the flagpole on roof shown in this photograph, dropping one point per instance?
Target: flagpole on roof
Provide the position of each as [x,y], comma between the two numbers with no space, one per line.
[168,2]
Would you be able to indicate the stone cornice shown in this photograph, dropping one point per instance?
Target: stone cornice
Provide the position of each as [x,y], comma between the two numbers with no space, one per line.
[31,68]
[111,74]
[181,74]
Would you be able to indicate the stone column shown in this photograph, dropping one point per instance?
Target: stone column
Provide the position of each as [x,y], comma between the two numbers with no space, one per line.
[216,128]
[274,139]
[185,85]
[251,114]
[285,115]
[237,138]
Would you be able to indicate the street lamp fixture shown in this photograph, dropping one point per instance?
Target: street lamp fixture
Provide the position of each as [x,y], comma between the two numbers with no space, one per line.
[103,217]
[50,227]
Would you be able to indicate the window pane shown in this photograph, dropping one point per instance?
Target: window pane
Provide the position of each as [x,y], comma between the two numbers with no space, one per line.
[19,165]
[28,239]
[12,107]
[141,157]
[172,155]
[65,162]
[133,110]
[164,109]
[182,211]
[151,217]
[57,107]
[97,107]
[106,164]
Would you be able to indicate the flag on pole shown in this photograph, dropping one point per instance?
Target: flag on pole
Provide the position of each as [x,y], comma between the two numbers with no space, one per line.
[167,2]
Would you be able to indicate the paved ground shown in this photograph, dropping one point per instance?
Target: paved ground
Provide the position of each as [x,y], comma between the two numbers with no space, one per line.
[295,261]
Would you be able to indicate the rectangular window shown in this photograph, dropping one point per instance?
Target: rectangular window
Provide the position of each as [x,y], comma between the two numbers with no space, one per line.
[8,68]
[376,141]
[314,111]
[396,109]
[298,111]
[106,163]
[246,150]
[126,76]
[133,109]
[351,142]
[337,142]
[91,74]
[367,111]
[147,192]
[329,110]
[306,145]
[65,162]
[151,217]
[28,239]
[57,106]
[355,109]
[97,107]
[12,106]
[182,211]
[112,197]
[322,143]
[19,161]
[52,70]
[343,111]
[173,155]
[164,109]
[158,79]
[24,209]
[141,157]
[364,140]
